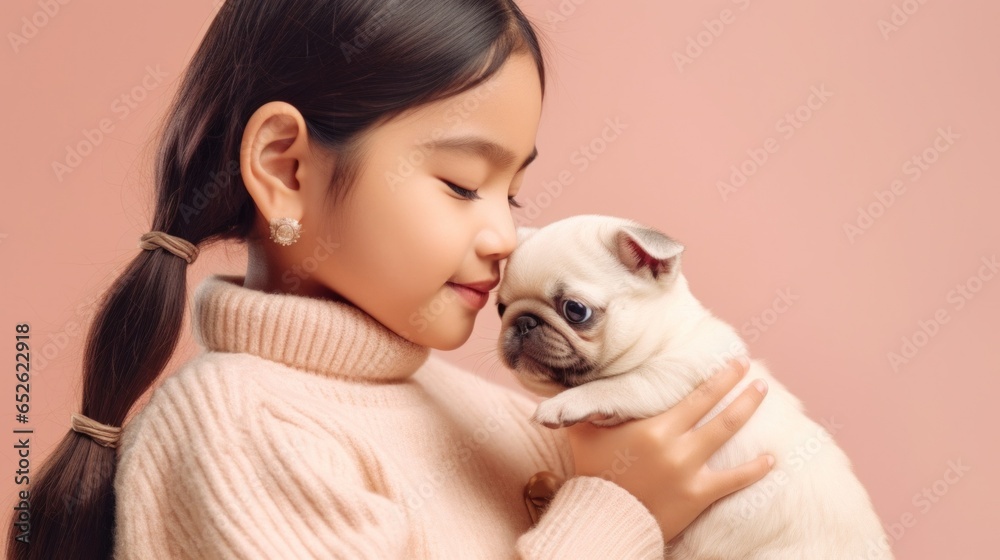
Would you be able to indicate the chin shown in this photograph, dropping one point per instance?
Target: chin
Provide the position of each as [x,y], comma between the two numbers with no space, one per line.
[541,388]
[533,377]
[445,339]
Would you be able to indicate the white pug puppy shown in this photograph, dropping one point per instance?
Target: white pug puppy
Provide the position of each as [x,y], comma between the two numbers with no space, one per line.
[597,316]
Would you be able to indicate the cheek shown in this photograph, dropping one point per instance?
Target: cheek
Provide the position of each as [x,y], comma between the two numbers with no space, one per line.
[409,240]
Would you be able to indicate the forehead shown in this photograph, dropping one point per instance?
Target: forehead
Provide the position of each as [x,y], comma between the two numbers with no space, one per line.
[556,263]
[504,110]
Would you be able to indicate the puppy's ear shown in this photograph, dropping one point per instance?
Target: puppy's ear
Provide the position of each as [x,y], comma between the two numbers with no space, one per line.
[524,232]
[641,249]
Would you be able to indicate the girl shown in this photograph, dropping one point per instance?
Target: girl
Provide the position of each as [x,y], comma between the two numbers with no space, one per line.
[367,153]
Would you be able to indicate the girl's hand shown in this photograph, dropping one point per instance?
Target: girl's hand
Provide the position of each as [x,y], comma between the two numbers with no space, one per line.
[668,471]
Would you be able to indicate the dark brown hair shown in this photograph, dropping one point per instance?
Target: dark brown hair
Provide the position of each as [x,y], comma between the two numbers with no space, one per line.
[346,65]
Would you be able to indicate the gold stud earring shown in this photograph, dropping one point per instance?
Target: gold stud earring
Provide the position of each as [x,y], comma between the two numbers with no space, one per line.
[285,231]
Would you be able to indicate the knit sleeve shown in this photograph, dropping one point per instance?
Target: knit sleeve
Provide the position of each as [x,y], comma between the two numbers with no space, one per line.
[589,517]
[203,481]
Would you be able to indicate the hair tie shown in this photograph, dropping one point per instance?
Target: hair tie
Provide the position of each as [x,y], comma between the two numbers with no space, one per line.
[180,247]
[108,436]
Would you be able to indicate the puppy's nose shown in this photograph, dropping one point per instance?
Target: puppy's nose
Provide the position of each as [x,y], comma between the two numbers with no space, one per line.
[525,323]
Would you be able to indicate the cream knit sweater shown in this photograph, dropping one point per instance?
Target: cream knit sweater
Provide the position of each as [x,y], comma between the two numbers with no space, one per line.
[307,429]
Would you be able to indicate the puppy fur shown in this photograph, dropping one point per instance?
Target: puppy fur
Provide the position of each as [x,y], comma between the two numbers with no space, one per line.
[646,343]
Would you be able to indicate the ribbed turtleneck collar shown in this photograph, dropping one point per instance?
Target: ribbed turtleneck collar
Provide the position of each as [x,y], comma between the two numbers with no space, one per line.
[322,336]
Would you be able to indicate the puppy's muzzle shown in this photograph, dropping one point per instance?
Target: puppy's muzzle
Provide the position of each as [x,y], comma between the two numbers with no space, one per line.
[525,323]
[547,349]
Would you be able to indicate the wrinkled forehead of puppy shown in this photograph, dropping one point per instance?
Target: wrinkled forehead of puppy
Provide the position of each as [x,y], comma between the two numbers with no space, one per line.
[588,249]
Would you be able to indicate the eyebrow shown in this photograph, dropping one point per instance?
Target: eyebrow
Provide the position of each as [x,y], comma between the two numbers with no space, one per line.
[486,149]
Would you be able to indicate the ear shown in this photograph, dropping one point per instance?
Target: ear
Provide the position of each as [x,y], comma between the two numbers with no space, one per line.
[275,159]
[641,249]
[524,232]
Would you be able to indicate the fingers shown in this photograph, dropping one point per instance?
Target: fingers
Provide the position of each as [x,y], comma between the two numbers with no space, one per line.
[726,482]
[710,437]
[694,406]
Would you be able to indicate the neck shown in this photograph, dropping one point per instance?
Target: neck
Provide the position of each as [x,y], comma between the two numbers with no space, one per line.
[323,336]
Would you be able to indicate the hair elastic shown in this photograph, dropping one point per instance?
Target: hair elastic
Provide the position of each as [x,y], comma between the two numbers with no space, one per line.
[180,247]
[108,436]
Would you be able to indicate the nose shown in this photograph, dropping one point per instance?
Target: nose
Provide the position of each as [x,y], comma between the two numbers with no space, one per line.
[525,323]
[498,240]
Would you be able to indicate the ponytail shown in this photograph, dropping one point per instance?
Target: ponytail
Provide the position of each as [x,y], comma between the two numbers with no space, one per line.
[133,335]
[346,65]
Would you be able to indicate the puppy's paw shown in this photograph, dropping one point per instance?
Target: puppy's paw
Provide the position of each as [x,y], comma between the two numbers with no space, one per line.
[561,411]
[606,421]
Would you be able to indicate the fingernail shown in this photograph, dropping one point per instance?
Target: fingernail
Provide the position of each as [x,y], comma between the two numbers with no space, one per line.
[770,460]
[744,361]
[761,386]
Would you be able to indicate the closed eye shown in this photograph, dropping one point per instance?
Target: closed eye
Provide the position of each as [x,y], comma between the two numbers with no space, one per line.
[473,195]
[464,193]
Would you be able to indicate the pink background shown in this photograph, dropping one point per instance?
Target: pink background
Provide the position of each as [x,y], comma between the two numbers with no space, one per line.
[856,297]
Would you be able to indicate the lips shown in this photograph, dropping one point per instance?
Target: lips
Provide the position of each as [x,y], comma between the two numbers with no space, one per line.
[484,286]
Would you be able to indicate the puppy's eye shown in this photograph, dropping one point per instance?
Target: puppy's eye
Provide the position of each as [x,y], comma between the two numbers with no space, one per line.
[501,308]
[575,312]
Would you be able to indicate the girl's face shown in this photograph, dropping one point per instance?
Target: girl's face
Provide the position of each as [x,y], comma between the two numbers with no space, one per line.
[404,234]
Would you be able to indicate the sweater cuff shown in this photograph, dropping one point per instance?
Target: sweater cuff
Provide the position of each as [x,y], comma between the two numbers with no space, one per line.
[591,517]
